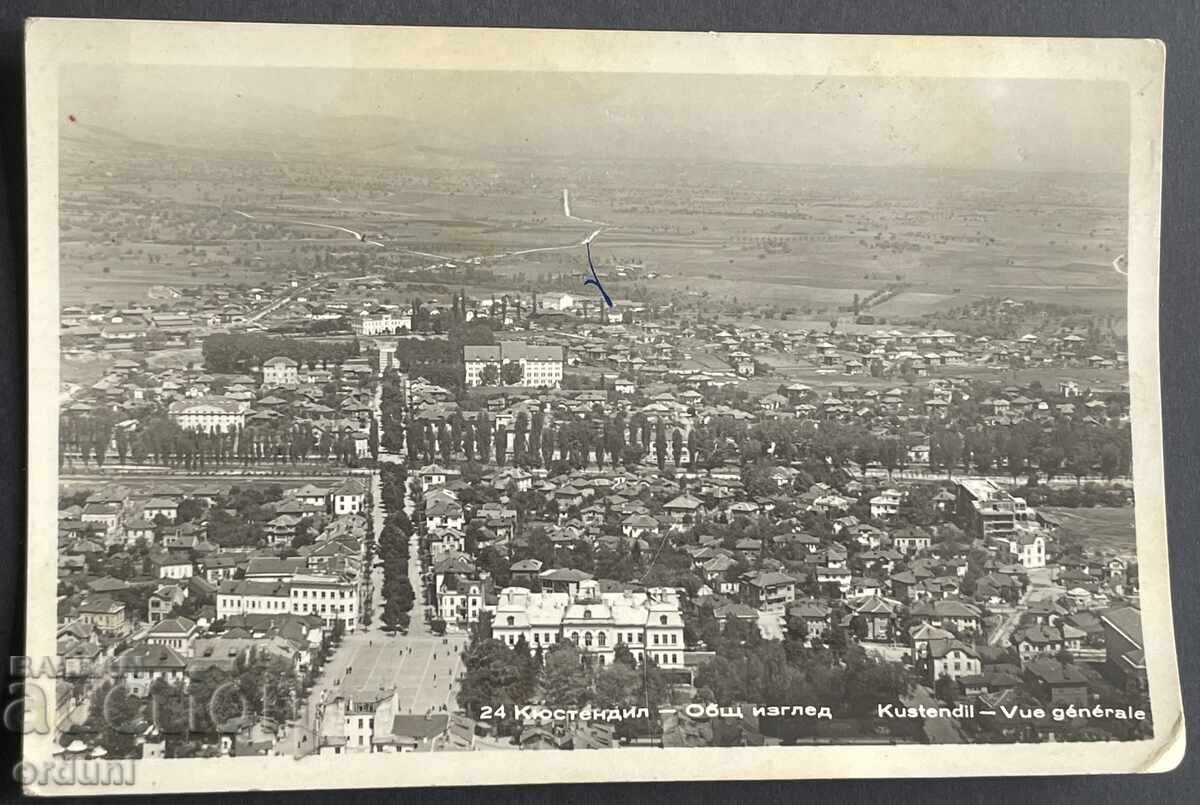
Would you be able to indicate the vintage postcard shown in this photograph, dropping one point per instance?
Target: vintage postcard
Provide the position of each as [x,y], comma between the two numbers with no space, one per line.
[421,407]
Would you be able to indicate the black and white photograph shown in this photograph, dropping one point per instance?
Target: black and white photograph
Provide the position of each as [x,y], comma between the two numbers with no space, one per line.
[673,405]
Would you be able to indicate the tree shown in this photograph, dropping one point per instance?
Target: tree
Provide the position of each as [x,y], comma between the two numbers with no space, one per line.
[489,671]
[521,427]
[393,614]
[677,447]
[1017,453]
[511,374]
[489,375]
[564,681]
[1082,456]
[660,444]
[617,685]
[1050,461]
[501,445]
[1110,460]
[946,689]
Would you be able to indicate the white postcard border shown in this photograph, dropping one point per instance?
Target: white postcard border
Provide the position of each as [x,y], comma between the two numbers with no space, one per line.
[1139,64]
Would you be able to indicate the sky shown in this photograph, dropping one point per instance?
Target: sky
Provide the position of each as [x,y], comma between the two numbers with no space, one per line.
[1041,125]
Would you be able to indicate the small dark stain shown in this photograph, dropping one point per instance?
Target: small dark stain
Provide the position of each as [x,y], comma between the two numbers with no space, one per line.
[71,118]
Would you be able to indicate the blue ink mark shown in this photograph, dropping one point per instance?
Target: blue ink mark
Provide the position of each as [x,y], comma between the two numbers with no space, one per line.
[594,280]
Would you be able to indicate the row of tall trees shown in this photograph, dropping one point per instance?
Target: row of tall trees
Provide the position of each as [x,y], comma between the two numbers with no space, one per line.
[97,438]
[233,353]
[398,594]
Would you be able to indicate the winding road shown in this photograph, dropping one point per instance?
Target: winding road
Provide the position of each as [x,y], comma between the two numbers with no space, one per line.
[358,235]
[601,226]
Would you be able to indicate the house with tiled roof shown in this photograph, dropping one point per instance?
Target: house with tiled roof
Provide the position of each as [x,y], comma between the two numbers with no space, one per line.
[768,590]
[1060,684]
[145,663]
[812,616]
[953,659]
[177,633]
[349,497]
[879,614]
[1036,640]
[962,617]
[1125,655]
[683,508]
[107,615]
[636,526]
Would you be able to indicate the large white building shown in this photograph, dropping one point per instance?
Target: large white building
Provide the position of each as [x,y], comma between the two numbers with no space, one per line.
[209,414]
[387,323]
[541,366]
[332,598]
[1027,547]
[555,300]
[648,623]
[280,371]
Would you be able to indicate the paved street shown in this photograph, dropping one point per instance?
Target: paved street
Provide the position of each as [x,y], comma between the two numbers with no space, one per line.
[1040,589]
[423,670]
[937,730]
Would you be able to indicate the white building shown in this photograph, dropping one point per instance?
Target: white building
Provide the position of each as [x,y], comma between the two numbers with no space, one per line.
[555,300]
[647,623]
[281,372]
[176,633]
[209,414]
[541,366]
[348,722]
[387,323]
[349,498]
[1027,549]
[332,598]
[252,598]
[886,504]
[144,664]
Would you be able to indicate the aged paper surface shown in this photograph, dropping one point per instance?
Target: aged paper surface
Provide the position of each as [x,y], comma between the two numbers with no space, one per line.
[759,407]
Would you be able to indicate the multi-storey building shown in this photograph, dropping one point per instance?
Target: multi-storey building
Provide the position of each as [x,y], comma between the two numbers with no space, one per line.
[280,371]
[209,414]
[769,591]
[332,598]
[648,623]
[886,504]
[985,510]
[541,366]
[1027,548]
[386,323]
[350,497]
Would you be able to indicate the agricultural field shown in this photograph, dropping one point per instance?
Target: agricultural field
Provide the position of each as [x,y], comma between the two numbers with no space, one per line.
[804,238]
[1099,529]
